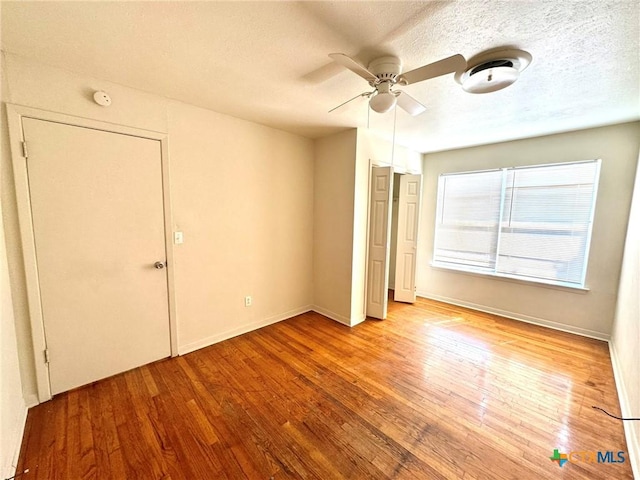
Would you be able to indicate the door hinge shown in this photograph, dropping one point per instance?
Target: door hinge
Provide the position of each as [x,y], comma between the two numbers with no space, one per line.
[25,152]
[47,359]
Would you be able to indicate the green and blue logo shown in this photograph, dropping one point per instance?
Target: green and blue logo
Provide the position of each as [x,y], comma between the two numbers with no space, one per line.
[561,458]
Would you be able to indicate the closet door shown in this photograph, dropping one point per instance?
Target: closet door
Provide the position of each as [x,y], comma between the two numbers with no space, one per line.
[98,220]
[379,241]
[407,245]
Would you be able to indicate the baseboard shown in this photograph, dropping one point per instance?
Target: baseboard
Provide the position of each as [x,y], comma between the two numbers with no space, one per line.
[332,315]
[8,471]
[517,316]
[631,429]
[205,342]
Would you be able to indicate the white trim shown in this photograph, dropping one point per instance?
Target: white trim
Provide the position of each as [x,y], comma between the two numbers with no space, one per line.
[16,438]
[365,298]
[631,429]
[521,317]
[31,400]
[39,114]
[169,246]
[14,119]
[208,341]
[592,216]
[332,315]
[15,113]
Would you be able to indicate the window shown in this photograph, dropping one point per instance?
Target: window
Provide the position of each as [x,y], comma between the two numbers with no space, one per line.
[530,223]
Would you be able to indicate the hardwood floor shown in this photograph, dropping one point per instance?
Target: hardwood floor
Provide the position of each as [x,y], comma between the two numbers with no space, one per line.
[433,392]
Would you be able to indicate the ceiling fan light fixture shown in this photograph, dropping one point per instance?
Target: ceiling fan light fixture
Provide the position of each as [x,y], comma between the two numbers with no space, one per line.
[382,102]
[490,80]
[493,70]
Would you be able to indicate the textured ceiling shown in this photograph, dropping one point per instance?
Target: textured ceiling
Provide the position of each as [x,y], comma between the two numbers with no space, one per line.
[267,61]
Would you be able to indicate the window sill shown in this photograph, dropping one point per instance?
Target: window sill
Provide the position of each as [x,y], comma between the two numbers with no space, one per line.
[503,278]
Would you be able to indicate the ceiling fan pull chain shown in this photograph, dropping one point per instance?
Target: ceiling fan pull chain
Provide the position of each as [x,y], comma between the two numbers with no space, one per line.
[393,142]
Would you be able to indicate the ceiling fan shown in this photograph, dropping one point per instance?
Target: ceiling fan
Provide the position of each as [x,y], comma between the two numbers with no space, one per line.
[386,72]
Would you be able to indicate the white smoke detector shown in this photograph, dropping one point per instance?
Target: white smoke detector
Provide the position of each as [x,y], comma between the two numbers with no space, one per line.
[493,70]
[102,98]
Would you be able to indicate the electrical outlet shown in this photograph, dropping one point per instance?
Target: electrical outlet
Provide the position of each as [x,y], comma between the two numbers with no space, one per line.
[248,301]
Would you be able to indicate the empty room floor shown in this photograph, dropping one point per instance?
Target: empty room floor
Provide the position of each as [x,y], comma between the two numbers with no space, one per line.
[433,392]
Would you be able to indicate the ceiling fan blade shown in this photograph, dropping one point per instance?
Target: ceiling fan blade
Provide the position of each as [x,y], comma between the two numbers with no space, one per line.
[451,64]
[354,66]
[365,94]
[410,104]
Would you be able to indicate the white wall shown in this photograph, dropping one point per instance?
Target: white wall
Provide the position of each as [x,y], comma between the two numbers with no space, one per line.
[625,338]
[242,194]
[333,217]
[381,152]
[341,217]
[588,313]
[367,147]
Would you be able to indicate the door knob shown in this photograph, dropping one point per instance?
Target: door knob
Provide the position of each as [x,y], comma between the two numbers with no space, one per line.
[159,265]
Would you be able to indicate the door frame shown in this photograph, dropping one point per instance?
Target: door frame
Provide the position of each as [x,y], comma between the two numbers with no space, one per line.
[15,114]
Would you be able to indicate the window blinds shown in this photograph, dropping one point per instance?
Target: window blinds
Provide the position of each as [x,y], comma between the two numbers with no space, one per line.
[531,223]
[468,219]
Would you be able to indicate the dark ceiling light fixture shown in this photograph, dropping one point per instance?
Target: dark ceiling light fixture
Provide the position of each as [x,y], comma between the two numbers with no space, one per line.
[493,70]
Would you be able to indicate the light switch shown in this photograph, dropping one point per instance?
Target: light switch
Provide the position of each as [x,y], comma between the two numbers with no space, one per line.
[178,238]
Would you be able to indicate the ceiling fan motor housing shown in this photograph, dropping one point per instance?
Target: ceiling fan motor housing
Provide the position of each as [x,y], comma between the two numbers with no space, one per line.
[386,69]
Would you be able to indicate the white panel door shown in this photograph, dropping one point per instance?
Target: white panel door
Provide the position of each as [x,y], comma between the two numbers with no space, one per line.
[379,240]
[98,221]
[408,214]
